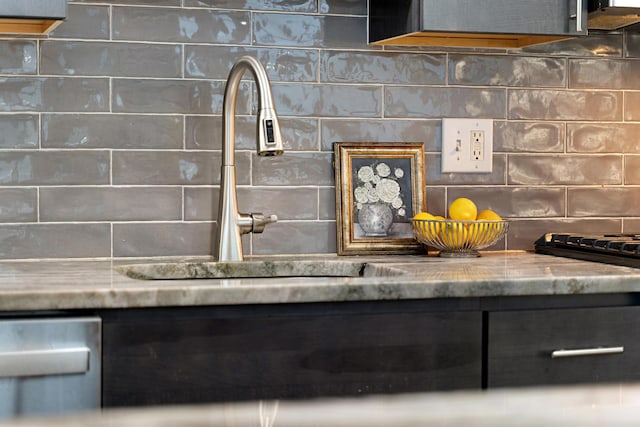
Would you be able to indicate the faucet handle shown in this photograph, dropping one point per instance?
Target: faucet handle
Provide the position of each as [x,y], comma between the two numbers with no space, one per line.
[260,221]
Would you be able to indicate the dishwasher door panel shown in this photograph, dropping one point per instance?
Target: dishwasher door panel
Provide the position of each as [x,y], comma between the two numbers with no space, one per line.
[49,365]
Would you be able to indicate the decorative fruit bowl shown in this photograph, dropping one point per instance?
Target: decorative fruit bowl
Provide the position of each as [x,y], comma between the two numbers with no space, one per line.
[456,238]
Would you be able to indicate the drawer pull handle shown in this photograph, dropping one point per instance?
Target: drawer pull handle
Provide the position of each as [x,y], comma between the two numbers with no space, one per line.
[29,363]
[587,352]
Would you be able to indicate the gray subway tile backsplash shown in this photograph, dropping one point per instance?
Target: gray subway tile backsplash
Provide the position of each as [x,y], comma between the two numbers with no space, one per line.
[327,100]
[117,131]
[632,106]
[110,204]
[437,102]
[528,137]
[345,7]
[376,130]
[565,170]
[46,240]
[18,204]
[173,96]
[282,5]
[382,67]
[506,70]
[603,137]
[565,105]
[205,132]
[516,202]
[614,202]
[18,57]
[19,130]
[112,59]
[85,22]
[33,168]
[111,128]
[297,237]
[162,239]
[201,203]
[152,167]
[300,30]
[601,74]
[294,169]
[53,94]
[214,62]
[181,25]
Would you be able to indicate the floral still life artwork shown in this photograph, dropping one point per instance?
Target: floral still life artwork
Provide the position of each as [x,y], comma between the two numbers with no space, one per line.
[379,187]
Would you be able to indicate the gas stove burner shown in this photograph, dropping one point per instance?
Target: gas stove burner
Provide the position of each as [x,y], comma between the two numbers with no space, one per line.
[618,248]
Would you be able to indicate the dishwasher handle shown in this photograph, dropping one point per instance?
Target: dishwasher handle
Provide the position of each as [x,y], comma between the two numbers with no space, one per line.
[597,351]
[30,363]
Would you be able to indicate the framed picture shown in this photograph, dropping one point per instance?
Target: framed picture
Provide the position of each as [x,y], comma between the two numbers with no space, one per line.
[379,187]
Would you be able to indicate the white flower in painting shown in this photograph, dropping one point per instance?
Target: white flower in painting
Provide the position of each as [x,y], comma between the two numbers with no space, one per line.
[383,170]
[396,203]
[373,195]
[365,173]
[361,194]
[379,183]
[388,190]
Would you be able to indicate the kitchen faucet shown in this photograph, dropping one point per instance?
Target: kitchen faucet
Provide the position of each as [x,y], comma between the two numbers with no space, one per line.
[231,223]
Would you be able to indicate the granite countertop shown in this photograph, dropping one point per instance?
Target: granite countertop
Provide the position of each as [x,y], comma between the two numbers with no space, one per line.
[584,406]
[64,284]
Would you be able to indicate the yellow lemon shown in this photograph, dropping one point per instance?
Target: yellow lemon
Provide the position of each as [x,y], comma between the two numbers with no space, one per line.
[463,209]
[488,215]
[425,229]
[423,215]
[454,235]
[475,232]
[436,227]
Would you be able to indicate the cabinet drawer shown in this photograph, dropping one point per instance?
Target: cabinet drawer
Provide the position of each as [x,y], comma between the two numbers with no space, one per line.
[252,353]
[521,346]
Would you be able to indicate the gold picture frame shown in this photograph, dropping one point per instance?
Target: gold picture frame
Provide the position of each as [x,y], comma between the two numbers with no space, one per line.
[371,180]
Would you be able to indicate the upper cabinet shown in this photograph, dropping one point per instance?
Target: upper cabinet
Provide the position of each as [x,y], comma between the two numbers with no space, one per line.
[31,16]
[475,23]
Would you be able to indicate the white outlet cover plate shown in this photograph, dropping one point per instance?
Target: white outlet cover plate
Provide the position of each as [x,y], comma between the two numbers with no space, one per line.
[456,146]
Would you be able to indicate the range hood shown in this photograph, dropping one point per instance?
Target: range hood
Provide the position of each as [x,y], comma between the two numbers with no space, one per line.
[31,17]
[475,23]
[613,14]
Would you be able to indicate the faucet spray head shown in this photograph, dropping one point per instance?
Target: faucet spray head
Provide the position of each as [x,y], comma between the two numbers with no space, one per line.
[269,136]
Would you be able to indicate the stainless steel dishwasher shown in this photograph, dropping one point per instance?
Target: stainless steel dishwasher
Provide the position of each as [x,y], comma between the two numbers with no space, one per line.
[49,365]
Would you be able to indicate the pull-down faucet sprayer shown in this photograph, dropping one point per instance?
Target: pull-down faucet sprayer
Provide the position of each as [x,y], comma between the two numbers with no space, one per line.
[231,223]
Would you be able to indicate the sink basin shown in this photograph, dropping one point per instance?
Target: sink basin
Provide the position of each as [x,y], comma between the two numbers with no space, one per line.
[255,269]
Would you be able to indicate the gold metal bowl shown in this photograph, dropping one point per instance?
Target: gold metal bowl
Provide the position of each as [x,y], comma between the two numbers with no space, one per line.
[458,238]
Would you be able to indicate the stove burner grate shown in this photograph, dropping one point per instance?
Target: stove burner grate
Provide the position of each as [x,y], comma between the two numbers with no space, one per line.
[618,249]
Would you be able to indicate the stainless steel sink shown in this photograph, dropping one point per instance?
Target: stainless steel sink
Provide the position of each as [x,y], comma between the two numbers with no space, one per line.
[255,269]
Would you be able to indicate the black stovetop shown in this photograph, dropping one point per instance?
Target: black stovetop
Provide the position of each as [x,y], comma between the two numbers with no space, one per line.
[619,249]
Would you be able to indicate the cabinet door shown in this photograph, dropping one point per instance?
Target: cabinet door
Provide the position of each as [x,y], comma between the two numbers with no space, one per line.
[504,16]
[591,345]
[181,356]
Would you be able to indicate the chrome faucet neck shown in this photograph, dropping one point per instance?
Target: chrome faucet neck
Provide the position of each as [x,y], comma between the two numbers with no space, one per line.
[231,223]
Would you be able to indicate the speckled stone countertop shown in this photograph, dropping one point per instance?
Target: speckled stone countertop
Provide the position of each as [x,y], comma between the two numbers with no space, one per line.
[57,284]
[583,406]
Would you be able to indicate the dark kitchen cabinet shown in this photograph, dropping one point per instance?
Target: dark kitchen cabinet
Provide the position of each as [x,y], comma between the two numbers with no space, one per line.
[521,346]
[475,23]
[212,354]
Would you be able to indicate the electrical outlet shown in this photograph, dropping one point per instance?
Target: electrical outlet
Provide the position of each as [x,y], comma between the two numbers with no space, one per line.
[467,145]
